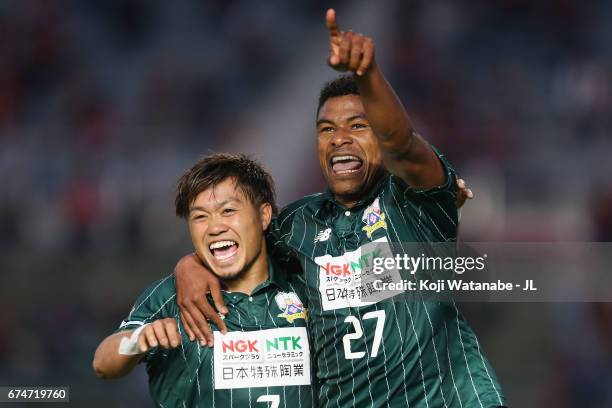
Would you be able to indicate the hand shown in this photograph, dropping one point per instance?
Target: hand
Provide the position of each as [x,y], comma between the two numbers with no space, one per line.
[348,51]
[463,192]
[162,332]
[193,282]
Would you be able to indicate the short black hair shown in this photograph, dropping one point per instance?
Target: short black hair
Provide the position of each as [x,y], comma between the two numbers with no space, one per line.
[341,86]
[250,177]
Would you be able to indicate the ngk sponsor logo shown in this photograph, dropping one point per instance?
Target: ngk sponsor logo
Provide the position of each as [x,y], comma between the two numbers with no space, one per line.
[341,277]
[351,264]
[240,346]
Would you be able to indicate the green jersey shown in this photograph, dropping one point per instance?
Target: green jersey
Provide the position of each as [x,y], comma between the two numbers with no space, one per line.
[266,346]
[384,353]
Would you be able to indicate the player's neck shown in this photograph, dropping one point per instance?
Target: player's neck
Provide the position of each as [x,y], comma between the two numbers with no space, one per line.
[348,201]
[256,274]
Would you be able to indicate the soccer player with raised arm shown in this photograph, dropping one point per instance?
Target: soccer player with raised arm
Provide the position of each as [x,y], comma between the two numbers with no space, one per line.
[264,359]
[386,185]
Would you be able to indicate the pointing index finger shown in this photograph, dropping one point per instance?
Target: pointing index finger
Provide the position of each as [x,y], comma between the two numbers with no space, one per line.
[330,19]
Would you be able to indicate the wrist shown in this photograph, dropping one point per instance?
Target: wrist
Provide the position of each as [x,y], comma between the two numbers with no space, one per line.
[128,346]
[368,74]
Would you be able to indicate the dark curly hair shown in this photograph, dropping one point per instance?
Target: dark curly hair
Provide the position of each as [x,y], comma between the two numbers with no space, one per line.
[341,86]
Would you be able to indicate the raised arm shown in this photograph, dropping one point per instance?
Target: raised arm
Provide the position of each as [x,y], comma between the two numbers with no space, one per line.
[405,153]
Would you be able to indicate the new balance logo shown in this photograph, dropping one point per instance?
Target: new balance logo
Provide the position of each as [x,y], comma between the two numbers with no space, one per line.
[323,235]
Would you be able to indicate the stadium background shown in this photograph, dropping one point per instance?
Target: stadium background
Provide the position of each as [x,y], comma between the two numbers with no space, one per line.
[103,104]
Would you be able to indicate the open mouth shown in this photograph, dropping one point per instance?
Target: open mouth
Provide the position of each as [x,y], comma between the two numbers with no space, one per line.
[222,251]
[346,164]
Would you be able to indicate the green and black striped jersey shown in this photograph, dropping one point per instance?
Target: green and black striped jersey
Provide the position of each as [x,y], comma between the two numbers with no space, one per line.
[263,362]
[386,353]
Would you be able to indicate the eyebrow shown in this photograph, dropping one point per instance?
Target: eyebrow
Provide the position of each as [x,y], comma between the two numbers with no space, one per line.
[358,116]
[221,204]
[321,121]
[350,118]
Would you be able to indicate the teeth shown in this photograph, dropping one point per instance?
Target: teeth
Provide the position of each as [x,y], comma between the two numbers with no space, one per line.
[344,158]
[221,244]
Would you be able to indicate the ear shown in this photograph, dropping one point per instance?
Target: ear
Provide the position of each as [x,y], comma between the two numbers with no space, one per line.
[265,214]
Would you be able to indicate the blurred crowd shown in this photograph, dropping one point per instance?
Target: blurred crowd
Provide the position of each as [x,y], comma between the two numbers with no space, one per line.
[521,92]
[104,103]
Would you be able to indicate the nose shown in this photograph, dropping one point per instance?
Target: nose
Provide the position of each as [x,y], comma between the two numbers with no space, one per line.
[340,138]
[217,226]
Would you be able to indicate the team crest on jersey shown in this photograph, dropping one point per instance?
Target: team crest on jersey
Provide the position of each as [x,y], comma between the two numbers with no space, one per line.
[291,305]
[373,218]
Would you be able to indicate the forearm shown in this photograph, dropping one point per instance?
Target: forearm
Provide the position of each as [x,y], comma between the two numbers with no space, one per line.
[404,152]
[193,282]
[108,363]
[386,114]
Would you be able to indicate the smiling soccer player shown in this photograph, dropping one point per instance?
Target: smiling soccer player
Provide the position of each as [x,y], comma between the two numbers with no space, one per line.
[228,202]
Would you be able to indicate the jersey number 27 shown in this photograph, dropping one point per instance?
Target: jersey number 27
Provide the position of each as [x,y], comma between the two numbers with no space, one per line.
[358,333]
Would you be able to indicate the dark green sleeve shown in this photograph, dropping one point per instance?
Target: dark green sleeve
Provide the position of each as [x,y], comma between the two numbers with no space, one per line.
[278,249]
[285,259]
[437,205]
[297,281]
[273,231]
[449,186]
[156,302]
